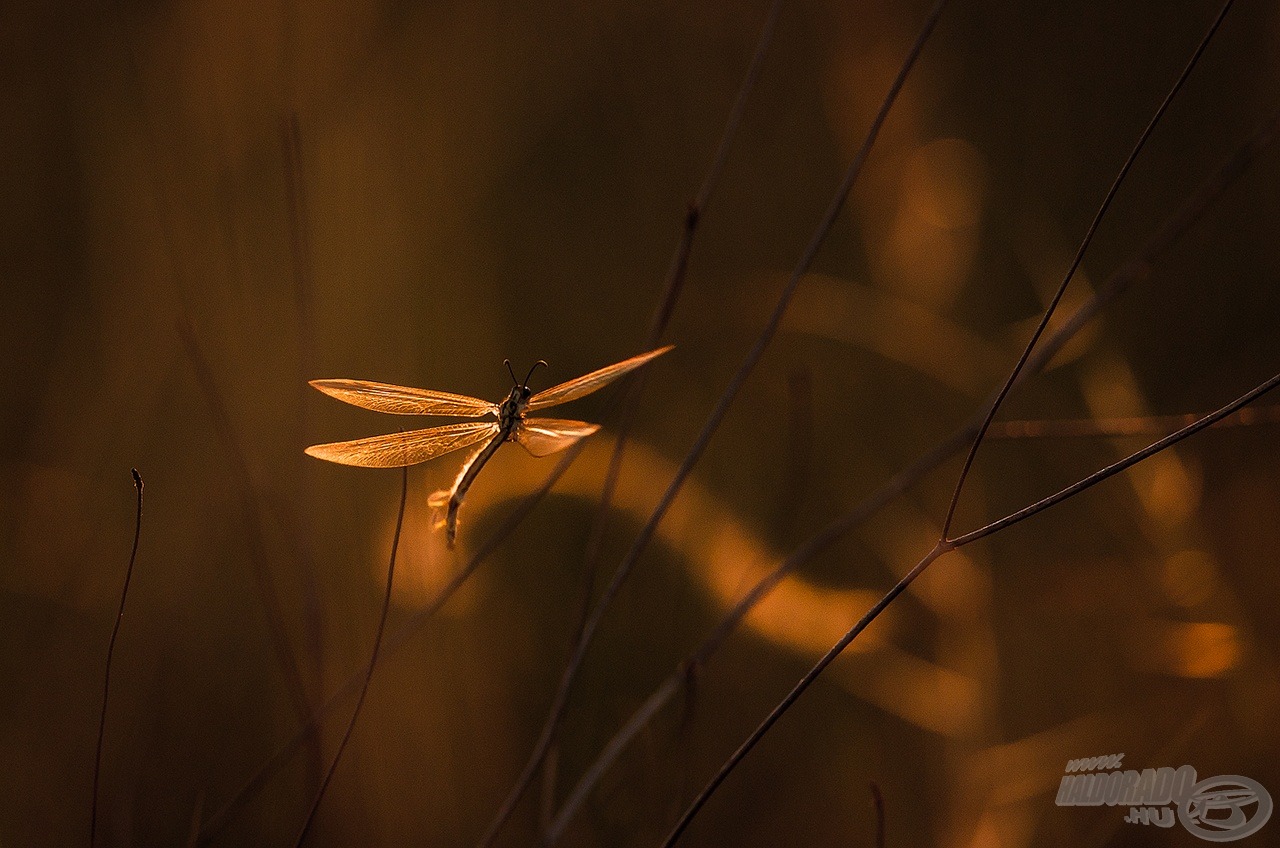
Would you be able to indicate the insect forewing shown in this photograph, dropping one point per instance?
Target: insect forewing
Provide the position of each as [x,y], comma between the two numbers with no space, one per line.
[397,449]
[543,436]
[403,400]
[588,383]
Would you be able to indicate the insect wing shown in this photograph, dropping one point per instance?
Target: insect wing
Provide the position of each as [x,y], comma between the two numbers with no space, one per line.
[398,449]
[588,383]
[543,436]
[403,400]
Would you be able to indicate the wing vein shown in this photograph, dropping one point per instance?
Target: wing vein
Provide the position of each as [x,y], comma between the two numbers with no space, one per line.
[588,383]
[409,448]
[403,400]
[543,436]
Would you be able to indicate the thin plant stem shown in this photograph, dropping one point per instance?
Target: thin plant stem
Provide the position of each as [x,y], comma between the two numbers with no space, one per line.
[712,425]
[193,830]
[943,546]
[1132,271]
[877,805]
[111,650]
[797,691]
[639,719]
[1116,467]
[299,241]
[373,661]
[677,271]
[1075,262]
[256,782]
[304,299]
[680,260]
[1135,425]
[1138,267]
[249,504]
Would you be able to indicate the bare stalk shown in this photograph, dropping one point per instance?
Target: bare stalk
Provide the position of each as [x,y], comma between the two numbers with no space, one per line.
[1134,425]
[249,503]
[877,803]
[111,650]
[373,661]
[1075,262]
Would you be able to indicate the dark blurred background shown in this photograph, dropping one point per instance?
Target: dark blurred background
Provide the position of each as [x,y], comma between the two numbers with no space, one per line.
[207,204]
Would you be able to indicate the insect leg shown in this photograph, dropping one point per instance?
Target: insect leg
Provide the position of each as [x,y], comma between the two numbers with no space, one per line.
[466,476]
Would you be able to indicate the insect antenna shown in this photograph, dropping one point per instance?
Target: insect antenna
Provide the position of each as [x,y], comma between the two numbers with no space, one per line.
[514,381]
[541,362]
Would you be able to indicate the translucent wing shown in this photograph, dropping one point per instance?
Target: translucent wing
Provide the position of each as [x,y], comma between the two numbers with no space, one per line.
[588,383]
[543,436]
[403,400]
[397,449]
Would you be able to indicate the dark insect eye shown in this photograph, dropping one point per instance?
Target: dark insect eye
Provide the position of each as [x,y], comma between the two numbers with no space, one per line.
[524,393]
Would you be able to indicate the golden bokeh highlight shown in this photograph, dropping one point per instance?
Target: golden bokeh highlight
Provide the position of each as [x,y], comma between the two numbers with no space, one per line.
[725,556]
[933,236]
[944,184]
[1202,649]
[1189,577]
[1166,486]
[896,328]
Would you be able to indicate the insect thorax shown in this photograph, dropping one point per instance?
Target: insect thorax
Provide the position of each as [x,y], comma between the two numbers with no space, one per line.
[512,409]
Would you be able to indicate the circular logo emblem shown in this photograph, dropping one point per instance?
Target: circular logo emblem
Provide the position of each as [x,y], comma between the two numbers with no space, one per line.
[1225,808]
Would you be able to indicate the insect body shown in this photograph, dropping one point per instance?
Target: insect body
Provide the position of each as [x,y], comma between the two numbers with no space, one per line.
[539,436]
